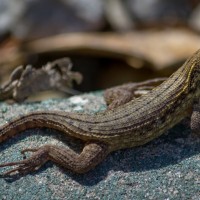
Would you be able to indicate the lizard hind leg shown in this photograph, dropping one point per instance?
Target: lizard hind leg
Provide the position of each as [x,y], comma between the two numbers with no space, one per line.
[92,154]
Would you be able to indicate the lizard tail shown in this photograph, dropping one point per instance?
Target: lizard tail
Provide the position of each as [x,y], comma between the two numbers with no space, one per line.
[30,121]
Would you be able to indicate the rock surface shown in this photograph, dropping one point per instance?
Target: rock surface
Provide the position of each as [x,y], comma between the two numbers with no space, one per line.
[166,168]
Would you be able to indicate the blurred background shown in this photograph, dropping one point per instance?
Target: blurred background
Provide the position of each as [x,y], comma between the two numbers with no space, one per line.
[109,41]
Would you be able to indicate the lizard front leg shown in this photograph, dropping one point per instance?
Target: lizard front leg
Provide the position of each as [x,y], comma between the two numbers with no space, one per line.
[92,154]
[195,119]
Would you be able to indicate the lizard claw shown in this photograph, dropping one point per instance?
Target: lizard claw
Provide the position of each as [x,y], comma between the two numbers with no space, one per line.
[30,164]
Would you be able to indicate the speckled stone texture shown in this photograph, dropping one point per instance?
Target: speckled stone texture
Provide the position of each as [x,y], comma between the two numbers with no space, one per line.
[166,168]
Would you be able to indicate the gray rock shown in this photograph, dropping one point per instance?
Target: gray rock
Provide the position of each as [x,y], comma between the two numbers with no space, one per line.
[166,168]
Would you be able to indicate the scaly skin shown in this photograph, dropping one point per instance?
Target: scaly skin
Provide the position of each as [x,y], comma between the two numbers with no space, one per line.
[132,124]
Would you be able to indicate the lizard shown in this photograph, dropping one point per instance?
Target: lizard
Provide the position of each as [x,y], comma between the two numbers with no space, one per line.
[132,124]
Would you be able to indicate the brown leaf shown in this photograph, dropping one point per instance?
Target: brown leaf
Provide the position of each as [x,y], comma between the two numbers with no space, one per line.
[25,81]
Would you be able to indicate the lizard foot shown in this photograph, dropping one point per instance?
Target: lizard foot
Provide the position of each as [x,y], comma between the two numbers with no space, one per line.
[38,158]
